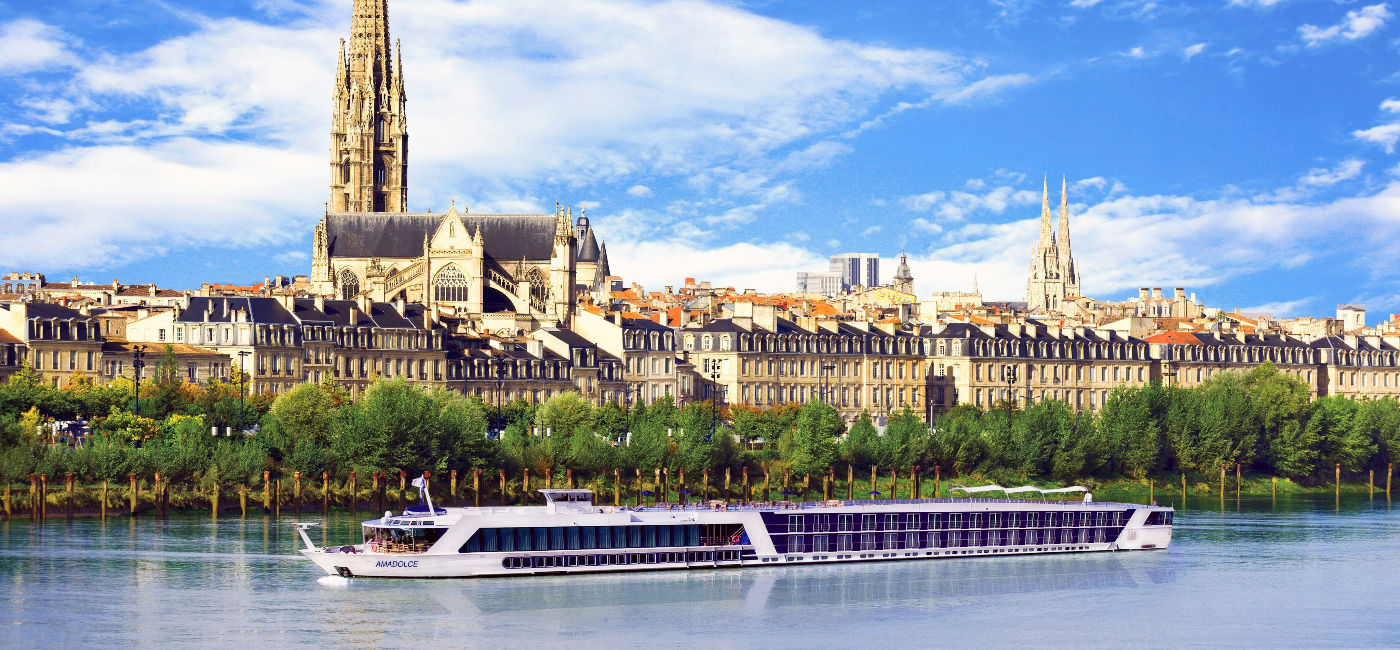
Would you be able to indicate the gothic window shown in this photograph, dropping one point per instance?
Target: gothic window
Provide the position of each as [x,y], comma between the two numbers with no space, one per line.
[450,285]
[538,287]
[379,176]
[382,130]
[349,285]
[345,171]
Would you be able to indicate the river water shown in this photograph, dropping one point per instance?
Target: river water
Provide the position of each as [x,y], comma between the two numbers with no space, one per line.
[1301,571]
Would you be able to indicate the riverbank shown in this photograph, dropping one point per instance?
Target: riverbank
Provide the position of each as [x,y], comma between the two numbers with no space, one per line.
[295,495]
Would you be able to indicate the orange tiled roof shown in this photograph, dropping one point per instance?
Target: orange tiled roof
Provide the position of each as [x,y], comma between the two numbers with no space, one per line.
[1173,338]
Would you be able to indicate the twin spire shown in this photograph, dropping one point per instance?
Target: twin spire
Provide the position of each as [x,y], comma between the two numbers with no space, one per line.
[1047,235]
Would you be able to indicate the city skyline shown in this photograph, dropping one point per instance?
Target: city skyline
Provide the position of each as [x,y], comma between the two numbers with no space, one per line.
[741,142]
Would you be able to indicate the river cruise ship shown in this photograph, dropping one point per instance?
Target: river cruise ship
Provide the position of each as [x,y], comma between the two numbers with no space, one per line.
[571,534]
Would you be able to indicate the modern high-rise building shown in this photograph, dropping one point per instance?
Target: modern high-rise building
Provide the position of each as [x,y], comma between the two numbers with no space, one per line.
[857,269]
[828,284]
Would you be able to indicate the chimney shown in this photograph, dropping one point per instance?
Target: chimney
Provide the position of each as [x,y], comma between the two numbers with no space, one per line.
[535,347]
[320,302]
[1142,293]
[1179,293]
[1157,293]
[153,291]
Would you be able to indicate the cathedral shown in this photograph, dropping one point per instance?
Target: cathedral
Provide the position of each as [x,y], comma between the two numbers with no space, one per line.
[1054,277]
[524,268]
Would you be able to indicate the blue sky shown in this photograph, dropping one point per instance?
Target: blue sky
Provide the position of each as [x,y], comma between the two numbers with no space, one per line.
[1243,149]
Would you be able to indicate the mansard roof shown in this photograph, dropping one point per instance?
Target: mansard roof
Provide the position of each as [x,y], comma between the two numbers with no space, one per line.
[220,310]
[508,237]
[58,312]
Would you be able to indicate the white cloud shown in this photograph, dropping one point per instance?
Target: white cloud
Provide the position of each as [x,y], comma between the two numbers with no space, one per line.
[1136,53]
[27,45]
[871,231]
[958,205]
[1281,309]
[1084,4]
[1346,170]
[1391,105]
[1384,135]
[628,93]
[1193,51]
[1255,3]
[1356,25]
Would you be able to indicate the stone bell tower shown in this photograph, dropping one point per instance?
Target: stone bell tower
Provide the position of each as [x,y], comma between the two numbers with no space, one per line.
[369,118]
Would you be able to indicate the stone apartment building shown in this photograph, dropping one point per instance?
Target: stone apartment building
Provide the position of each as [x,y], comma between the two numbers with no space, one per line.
[647,350]
[60,343]
[986,365]
[758,359]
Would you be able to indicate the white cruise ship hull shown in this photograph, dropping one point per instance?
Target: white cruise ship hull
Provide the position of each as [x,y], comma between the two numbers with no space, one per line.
[578,537]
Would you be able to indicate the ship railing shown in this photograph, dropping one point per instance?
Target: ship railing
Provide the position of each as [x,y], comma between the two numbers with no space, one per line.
[842,503]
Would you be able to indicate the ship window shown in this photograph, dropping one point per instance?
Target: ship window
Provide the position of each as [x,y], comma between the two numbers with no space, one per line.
[634,537]
[843,523]
[891,522]
[619,535]
[913,523]
[794,523]
[663,536]
[843,542]
[974,520]
[994,520]
[935,521]
[556,538]
[820,544]
[911,540]
[867,522]
[795,544]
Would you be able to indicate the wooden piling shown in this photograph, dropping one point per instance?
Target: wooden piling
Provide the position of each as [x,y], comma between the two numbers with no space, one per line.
[155,489]
[894,483]
[850,482]
[744,498]
[403,490]
[1237,481]
[103,506]
[639,487]
[43,496]
[680,484]
[826,487]
[353,487]
[617,486]
[548,478]
[243,500]
[267,493]
[1390,467]
[503,487]
[8,512]
[766,495]
[1275,492]
[569,478]
[787,472]
[1222,483]
[1151,498]
[874,487]
[656,491]
[937,478]
[476,488]
[525,489]
[666,484]
[29,501]
[1183,488]
[277,497]
[727,493]
[68,498]
[296,492]
[1339,480]
[1371,483]
[917,480]
[705,486]
[133,493]
[214,501]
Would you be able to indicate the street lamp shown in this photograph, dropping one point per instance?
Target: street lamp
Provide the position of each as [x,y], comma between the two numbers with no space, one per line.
[828,369]
[242,387]
[500,383]
[138,361]
[714,398]
[1008,373]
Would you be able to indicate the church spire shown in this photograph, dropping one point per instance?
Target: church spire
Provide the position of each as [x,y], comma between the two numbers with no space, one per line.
[1064,224]
[369,134]
[1046,235]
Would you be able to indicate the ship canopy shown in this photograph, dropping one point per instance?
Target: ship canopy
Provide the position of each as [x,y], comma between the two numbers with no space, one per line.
[1016,490]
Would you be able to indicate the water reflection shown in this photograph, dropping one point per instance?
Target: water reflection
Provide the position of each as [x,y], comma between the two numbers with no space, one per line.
[191,579]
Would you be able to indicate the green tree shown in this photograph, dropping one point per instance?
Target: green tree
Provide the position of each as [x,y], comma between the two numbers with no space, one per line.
[813,443]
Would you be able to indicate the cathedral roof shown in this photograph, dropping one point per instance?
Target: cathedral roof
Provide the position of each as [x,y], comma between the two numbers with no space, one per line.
[508,237]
